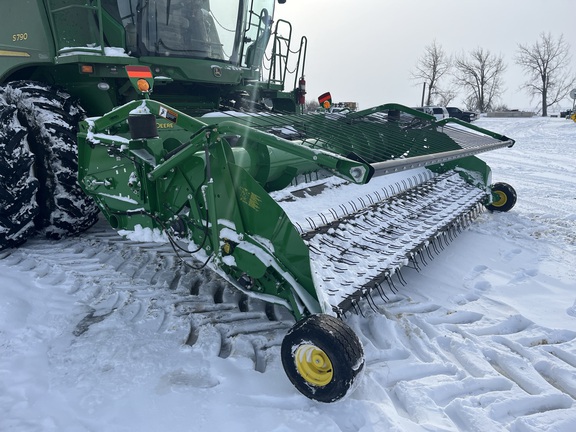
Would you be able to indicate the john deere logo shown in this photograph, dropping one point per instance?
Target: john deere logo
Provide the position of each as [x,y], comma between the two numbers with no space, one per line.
[217,71]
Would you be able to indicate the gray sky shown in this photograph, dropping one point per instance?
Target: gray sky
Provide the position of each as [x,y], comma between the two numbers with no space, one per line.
[365,50]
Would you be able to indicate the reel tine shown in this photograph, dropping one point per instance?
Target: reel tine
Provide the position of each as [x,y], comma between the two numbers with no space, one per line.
[447,239]
[429,249]
[311,223]
[408,229]
[440,242]
[370,301]
[421,254]
[414,261]
[381,292]
[449,235]
[435,246]
[391,285]
[357,307]
[340,313]
[400,277]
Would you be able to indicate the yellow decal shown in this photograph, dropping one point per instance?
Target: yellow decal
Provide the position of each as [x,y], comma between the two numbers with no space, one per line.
[5,53]
[250,199]
[164,125]
[17,37]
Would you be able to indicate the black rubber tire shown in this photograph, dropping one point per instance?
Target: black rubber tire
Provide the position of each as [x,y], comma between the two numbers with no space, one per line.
[18,186]
[337,343]
[51,117]
[505,197]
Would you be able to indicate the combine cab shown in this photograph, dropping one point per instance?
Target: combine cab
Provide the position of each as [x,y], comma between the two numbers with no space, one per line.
[313,212]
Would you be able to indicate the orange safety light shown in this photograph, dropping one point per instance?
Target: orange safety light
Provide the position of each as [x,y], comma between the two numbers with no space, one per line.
[141,78]
[143,85]
[87,69]
[325,100]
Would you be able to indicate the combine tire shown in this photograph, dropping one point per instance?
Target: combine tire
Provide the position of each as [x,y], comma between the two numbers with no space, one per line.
[18,186]
[322,357]
[504,197]
[51,117]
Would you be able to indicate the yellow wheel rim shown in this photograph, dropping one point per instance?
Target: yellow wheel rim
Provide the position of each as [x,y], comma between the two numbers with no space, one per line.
[314,365]
[502,198]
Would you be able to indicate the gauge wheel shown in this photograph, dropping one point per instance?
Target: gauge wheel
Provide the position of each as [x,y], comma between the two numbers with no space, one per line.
[503,197]
[322,357]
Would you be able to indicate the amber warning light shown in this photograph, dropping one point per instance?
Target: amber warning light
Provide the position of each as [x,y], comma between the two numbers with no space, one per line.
[325,100]
[141,78]
[87,69]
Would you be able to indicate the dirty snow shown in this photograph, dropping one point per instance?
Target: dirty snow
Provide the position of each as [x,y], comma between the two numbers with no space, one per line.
[96,334]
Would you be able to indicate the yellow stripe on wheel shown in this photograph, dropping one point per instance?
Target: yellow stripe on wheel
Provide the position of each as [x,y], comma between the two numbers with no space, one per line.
[502,199]
[314,365]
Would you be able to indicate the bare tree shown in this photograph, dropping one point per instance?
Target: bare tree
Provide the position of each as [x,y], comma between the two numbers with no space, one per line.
[547,65]
[311,106]
[446,95]
[431,67]
[479,74]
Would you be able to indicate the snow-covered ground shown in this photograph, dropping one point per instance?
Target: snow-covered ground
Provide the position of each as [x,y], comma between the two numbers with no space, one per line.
[98,333]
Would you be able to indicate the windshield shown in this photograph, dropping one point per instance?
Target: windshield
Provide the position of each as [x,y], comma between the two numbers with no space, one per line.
[191,28]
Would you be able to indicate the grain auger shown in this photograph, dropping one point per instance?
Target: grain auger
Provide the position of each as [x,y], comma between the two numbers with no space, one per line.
[314,212]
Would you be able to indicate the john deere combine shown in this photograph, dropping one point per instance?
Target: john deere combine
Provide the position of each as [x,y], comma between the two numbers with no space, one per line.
[314,212]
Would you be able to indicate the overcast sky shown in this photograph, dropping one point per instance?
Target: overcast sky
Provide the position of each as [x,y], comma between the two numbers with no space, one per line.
[365,50]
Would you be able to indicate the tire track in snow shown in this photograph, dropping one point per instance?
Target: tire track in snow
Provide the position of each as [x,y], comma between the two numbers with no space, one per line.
[541,168]
[476,370]
[145,285]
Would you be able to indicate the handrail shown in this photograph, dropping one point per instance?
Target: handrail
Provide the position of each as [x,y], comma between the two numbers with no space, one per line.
[279,61]
[301,57]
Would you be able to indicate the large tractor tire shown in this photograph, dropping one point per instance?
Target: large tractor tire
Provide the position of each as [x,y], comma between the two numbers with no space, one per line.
[18,186]
[51,117]
[322,357]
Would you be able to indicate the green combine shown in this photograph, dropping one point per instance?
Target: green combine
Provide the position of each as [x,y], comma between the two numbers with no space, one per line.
[315,212]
